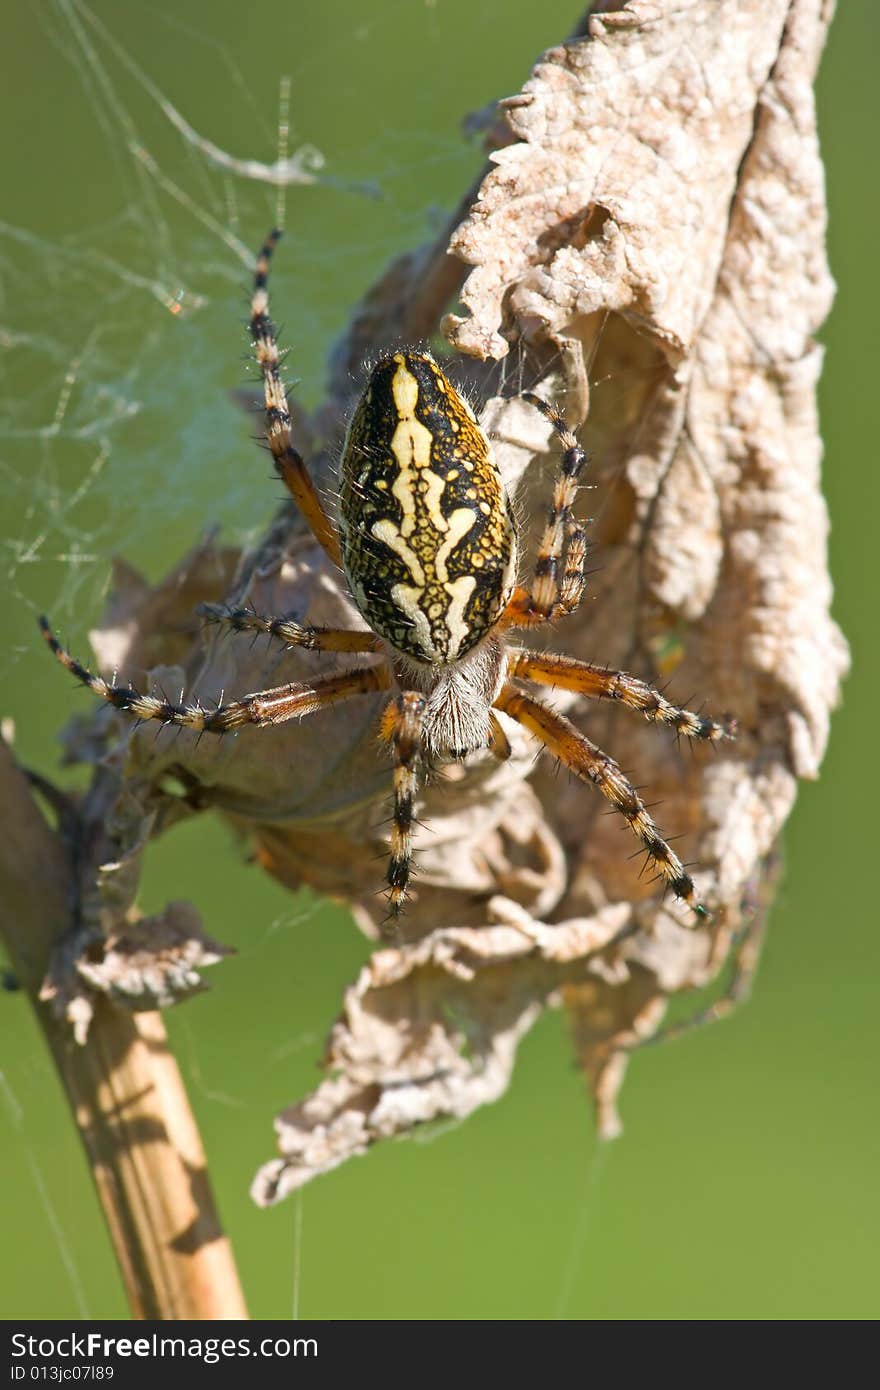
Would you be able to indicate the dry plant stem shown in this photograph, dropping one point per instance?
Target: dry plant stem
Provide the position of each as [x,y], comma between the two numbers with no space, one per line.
[125,1092]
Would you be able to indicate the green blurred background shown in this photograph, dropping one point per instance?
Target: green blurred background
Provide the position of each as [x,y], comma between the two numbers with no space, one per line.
[745,1185]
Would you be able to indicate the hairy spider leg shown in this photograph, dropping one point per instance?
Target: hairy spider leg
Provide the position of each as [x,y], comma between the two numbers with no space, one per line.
[401,727]
[560,573]
[316,639]
[265,707]
[499,743]
[598,683]
[288,461]
[575,751]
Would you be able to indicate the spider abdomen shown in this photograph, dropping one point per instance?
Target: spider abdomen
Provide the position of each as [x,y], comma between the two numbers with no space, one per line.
[427,540]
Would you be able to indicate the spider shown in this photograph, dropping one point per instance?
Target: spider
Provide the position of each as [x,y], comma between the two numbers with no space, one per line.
[426,539]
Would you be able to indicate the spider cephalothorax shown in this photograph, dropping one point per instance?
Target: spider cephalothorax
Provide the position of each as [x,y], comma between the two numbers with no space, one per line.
[427,543]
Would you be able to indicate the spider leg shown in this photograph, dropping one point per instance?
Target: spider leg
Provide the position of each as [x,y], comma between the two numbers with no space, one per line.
[597,683]
[401,726]
[316,639]
[575,573]
[499,743]
[575,751]
[560,578]
[288,461]
[263,707]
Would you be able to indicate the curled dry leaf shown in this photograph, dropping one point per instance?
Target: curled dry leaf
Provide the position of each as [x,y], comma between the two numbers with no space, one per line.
[107,829]
[429,1033]
[156,962]
[151,963]
[654,229]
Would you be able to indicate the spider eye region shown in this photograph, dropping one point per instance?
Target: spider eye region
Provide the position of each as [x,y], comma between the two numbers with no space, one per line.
[428,543]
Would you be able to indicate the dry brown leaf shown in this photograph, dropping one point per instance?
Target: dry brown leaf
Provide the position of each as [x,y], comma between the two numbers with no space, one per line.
[429,1033]
[156,962]
[655,227]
